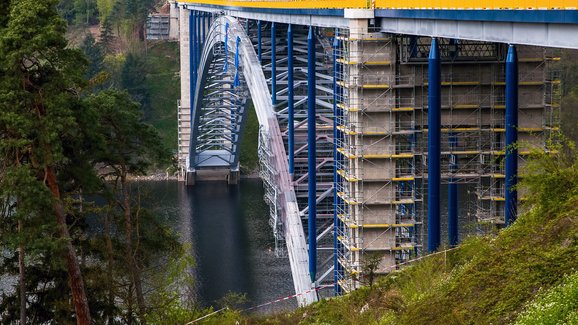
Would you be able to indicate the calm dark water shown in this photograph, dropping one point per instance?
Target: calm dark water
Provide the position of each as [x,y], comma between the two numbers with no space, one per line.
[230,236]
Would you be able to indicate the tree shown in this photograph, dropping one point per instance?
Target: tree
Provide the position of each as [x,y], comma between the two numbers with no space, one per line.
[39,79]
[130,148]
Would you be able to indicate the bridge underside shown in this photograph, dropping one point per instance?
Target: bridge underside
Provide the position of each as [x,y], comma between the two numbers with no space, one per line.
[368,105]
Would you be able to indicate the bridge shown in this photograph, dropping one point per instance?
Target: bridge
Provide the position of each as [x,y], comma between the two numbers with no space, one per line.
[372,116]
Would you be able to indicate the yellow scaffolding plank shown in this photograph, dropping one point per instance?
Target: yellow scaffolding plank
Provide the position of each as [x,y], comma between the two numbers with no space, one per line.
[460,83]
[499,106]
[347,62]
[466,106]
[465,129]
[497,175]
[375,86]
[386,156]
[341,172]
[530,129]
[346,130]
[345,199]
[388,225]
[347,108]
[403,179]
[402,109]
[531,83]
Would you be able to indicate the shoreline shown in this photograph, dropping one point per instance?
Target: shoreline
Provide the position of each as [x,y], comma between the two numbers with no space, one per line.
[164,176]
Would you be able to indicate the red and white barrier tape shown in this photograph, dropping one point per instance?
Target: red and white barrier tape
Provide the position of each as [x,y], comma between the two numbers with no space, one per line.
[266,303]
[314,289]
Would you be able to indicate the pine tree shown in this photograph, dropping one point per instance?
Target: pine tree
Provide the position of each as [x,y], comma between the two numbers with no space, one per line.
[39,82]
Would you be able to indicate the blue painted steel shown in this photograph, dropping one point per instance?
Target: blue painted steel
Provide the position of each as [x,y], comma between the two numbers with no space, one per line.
[204,24]
[199,37]
[259,40]
[192,67]
[311,155]
[518,16]
[236,79]
[453,196]
[511,197]
[290,102]
[335,175]
[433,139]
[226,63]
[273,64]
[282,11]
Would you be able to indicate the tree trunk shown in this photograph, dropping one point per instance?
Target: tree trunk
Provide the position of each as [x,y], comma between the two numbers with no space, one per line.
[74,275]
[109,265]
[130,254]
[22,284]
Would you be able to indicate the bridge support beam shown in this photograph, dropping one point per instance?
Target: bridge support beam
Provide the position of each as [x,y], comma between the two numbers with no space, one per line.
[434,153]
[511,195]
[290,102]
[311,155]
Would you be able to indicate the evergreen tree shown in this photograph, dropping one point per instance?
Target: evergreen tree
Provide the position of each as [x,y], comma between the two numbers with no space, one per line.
[39,78]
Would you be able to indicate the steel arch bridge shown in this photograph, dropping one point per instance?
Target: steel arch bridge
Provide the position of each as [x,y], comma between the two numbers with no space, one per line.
[230,75]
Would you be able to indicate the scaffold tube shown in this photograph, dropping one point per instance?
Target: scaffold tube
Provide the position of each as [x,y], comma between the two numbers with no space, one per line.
[290,103]
[453,195]
[433,138]
[511,195]
[335,198]
[311,154]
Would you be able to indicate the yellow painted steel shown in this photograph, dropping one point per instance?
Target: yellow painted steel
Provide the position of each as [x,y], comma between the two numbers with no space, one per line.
[395,4]
[286,4]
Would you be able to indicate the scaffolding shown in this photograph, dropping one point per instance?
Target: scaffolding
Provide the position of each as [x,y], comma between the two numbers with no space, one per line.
[382,121]
[378,176]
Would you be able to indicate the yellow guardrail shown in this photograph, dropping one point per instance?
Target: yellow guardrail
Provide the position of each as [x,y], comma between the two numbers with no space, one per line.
[394,4]
[288,4]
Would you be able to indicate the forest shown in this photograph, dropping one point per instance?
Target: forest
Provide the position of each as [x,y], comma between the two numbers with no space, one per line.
[77,245]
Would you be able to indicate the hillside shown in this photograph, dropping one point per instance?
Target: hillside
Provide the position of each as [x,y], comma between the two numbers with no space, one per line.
[527,274]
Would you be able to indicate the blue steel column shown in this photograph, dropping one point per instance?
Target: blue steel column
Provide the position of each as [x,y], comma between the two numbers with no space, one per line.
[290,103]
[273,65]
[453,195]
[335,176]
[311,161]
[204,24]
[511,135]
[259,40]
[433,139]
[198,51]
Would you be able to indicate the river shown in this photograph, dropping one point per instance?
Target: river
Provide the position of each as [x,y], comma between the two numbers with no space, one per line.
[231,239]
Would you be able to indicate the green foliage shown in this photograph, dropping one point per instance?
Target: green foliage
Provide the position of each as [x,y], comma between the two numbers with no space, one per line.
[558,305]
[249,158]
[518,275]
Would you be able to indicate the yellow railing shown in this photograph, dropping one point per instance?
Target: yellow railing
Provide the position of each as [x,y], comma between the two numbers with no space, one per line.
[395,4]
[476,4]
[288,4]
